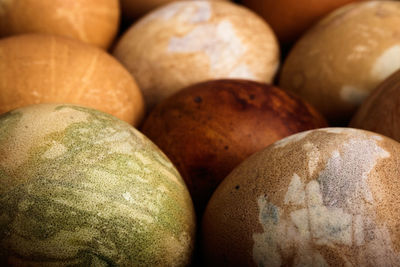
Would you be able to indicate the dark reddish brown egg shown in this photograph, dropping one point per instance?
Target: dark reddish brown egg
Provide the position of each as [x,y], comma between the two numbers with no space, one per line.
[209,128]
[380,111]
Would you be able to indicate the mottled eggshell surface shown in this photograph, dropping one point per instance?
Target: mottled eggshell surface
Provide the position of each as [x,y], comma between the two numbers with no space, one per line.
[380,111]
[290,18]
[82,188]
[209,128]
[344,57]
[186,42]
[135,8]
[43,68]
[326,197]
[91,21]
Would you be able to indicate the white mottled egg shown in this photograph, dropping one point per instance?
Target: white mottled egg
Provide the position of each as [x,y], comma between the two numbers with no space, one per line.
[345,56]
[326,197]
[186,42]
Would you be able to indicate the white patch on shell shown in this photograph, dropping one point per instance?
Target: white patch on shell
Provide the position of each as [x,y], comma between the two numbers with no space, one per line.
[295,194]
[387,63]
[33,127]
[56,150]
[187,12]
[353,94]
[330,215]
[313,156]
[291,139]
[350,168]
[220,43]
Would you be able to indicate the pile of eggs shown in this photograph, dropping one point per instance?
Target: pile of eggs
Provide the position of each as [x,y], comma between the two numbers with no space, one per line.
[199,133]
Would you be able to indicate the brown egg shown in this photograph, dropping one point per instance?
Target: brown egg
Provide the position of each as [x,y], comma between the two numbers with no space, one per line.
[46,69]
[91,21]
[186,42]
[209,128]
[380,111]
[344,57]
[291,18]
[327,197]
[135,8]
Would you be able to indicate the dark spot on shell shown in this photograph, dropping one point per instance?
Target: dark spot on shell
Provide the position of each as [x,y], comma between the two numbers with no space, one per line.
[198,99]
[26,127]
[237,187]
[226,147]
[252,96]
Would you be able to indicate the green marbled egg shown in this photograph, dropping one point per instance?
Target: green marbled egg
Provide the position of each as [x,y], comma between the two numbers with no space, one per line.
[80,187]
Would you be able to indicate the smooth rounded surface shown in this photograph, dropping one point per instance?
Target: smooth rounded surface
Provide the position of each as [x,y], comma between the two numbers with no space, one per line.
[82,188]
[380,111]
[209,128]
[326,197]
[186,42]
[42,69]
[291,18]
[135,8]
[91,21]
[344,57]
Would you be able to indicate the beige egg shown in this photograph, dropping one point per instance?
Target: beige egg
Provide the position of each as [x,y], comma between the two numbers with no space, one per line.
[344,57]
[326,197]
[91,21]
[37,68]
[135,8]
[186,42]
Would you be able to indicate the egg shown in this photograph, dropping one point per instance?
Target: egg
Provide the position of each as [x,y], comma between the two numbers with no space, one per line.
[136,8]
[81,188]
[380,111]
[337,64]
[91,21]
[325,197]
[186,42]
[209,128]
[291,18]
[38,68]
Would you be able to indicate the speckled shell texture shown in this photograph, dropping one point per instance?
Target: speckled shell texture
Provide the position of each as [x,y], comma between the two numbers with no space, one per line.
[38,68]
[344,57]
[380,111]
[326,197]
[91,21]
[136,8]
[209,128]
[82,188]
[291,18]
[186,42]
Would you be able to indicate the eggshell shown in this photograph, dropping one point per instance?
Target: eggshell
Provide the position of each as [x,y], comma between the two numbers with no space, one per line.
[326,197]
[344,57]
[186,42]
[136,8]
[291,18]
[38,68]
[81,188]
[209,128]
[91,21]
[380,111]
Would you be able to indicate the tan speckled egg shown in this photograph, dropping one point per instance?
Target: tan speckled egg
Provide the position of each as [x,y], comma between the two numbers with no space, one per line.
[36,68]
[136,8]
[344,57]
[91,21]
[326,197]
[186,42]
